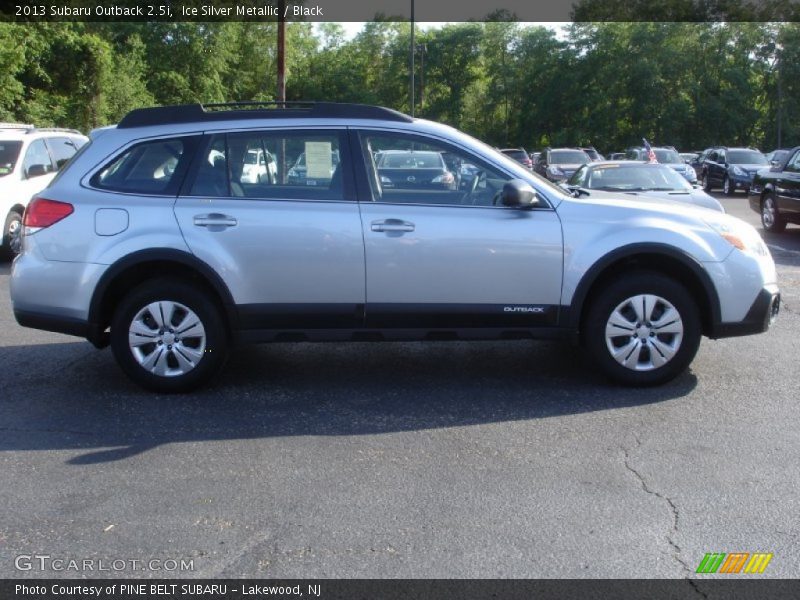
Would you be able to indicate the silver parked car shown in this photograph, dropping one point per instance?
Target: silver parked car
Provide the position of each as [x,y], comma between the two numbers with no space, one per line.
[151,241]
[623,179]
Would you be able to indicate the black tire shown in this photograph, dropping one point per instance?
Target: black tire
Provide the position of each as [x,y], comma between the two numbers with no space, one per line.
[633,285]
[773,223]
[706,182]
[212,352]
[11,234]
[727,188]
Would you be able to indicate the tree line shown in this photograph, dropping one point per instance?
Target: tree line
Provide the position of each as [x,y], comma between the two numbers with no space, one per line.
[607,84]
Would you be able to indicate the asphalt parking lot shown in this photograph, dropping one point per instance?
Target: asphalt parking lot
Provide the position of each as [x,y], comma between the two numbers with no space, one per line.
[508,459]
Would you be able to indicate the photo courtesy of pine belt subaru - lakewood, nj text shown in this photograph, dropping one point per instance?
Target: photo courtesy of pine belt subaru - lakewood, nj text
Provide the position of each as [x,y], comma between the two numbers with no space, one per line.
[157,239]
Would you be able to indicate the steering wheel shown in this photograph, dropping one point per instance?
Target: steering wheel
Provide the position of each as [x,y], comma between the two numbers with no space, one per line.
[470,196]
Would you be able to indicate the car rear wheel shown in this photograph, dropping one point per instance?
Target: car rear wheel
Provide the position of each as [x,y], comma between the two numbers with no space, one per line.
[643,329]
[12,234]
[771,219]
[706,182]
[168,336]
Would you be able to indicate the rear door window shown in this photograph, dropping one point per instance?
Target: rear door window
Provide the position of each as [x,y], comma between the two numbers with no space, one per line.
[279,165]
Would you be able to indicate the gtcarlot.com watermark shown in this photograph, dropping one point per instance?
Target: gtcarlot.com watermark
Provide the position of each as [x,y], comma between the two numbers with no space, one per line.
[59,564]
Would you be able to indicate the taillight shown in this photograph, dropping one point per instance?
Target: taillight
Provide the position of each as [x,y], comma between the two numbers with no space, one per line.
[42,212]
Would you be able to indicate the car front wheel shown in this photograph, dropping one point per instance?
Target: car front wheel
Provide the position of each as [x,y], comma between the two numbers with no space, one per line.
[770,217]
[12,232]
[727,188]
[168,336]
[643,329]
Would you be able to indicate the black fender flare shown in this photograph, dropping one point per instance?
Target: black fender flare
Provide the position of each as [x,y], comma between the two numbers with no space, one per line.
[162,255]
[575,308]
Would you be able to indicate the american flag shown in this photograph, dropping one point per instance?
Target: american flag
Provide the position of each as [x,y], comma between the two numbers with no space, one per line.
[651,156]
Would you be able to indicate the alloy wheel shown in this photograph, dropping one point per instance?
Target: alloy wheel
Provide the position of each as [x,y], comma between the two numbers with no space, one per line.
[167,338]
[644,332]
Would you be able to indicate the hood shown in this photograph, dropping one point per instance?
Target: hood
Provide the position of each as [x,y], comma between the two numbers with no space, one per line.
[750,168]
[694,199]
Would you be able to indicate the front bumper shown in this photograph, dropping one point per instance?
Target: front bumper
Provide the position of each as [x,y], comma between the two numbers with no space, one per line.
[741,182]
[759,318]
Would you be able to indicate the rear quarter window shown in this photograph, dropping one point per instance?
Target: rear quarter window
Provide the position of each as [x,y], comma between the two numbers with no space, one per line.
[154,167]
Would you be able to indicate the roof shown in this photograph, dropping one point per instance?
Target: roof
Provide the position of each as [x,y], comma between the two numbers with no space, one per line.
[233,111]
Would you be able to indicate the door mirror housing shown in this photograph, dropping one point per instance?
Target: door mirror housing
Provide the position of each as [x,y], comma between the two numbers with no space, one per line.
[517,193]
[36,171]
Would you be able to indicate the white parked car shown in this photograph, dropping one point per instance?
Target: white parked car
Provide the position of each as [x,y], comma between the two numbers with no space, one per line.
[29,159]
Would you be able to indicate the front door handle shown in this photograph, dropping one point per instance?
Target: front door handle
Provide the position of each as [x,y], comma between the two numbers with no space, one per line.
[392,225]
[214,220]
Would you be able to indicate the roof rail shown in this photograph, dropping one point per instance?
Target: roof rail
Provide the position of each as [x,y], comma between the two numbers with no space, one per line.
[61,129]
[189,113]
[16,126]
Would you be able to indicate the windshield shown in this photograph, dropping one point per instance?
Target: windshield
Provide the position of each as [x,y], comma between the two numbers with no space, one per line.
[746,157]
[9,153]
[667,156]
[569,157]
[635,178]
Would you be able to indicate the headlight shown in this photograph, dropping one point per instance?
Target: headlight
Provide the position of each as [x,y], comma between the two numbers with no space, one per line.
[737,171]
[741,236]
[554,170]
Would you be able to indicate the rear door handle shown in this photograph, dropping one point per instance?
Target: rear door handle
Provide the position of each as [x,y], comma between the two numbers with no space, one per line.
[214,220]
[392,225]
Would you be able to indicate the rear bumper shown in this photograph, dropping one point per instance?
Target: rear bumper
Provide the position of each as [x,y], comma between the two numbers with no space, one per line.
[61,324]
[759,318]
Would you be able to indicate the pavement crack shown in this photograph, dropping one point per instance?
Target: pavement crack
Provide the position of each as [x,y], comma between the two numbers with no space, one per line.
[673,510]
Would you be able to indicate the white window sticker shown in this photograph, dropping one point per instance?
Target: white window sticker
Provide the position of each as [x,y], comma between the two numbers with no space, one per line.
[319,160]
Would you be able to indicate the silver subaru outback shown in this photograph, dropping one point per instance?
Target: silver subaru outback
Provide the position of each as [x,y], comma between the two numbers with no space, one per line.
[158,240]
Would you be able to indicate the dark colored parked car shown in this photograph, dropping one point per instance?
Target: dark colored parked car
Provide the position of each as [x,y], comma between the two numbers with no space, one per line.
[666,155]
[520,155]
[402,169]
[619,179]
[731,168]
[775,193]
[558,164]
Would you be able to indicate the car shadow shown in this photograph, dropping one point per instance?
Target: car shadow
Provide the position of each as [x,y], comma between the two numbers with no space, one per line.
[70,396]
[785,246]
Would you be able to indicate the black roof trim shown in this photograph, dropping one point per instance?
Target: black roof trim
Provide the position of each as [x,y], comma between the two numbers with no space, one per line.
[190,113]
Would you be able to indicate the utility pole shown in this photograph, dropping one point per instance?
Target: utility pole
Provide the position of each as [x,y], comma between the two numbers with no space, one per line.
[281,92]
[780,100]
[411,63]
[281,51]
[423,50]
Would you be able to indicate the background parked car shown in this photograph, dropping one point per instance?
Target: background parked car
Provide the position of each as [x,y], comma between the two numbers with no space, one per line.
[401,169]
[616,156]
[29,159]
[688,157]
[650,180]
[593,154]
[776,157]
[666,155]
[775,192]
[520,155]
[558,164]
[731,168]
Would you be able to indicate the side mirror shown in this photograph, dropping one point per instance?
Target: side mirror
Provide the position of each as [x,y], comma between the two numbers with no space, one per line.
[517,193]
[36,171]
[774,163]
